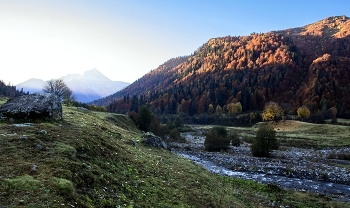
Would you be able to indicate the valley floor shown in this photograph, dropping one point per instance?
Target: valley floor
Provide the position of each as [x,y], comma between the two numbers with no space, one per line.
[302,169]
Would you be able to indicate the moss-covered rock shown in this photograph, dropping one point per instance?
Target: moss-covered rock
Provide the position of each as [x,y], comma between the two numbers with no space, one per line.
[33,107]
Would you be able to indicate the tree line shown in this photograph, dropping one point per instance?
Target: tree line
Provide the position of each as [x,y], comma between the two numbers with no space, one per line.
[10,91]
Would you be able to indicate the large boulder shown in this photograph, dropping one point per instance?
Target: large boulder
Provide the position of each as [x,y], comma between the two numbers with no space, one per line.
[153,140]
[45,106]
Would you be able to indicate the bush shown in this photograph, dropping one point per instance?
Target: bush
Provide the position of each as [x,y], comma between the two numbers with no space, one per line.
[248,139]
[185,129]
[65,149]
[178,122]
[234,139]
[175,136]
[170,125]
[64,186]
[97,108]
[318,118]
[341,155]
[155,127]
[217,139]
[133,116]
[221,130]
[264,142]
[25,183]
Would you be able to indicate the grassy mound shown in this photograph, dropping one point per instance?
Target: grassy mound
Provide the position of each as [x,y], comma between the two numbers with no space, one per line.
[87,160]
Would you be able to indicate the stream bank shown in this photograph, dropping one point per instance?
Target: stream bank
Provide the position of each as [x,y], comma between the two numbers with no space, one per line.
[305,170]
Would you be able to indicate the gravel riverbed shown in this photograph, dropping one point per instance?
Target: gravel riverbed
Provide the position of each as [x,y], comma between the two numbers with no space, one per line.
[291,168]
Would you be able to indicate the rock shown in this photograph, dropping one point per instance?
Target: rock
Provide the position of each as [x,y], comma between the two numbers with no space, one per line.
[22,125]
[43,132]
[155,141]
[34,167]
[82,108]
[32,107]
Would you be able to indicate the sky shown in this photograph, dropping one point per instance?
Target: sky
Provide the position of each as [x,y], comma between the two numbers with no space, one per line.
[125,39]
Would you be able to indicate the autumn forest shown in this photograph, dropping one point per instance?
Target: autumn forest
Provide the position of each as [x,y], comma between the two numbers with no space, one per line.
[306,66]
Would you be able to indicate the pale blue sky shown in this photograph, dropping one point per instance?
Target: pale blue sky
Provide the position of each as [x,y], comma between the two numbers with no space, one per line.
[126,39]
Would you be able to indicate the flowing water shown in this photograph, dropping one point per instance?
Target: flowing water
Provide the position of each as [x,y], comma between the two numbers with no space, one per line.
[320,187]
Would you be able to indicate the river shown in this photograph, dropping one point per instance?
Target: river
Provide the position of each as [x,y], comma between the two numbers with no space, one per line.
[305,170]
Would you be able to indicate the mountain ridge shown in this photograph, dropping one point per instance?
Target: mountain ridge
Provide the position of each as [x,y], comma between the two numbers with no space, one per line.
[153,78]
[253,70]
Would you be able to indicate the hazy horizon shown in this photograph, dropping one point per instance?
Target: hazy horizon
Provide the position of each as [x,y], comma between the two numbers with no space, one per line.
[126,39]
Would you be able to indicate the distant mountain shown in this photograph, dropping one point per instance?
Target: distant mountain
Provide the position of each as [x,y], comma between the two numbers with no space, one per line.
[309,65]
[70,77]
[87,87]
[32,85]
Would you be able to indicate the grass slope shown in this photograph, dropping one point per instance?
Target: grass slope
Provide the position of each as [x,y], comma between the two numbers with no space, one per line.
[302,134]
[87,160]
[2,100]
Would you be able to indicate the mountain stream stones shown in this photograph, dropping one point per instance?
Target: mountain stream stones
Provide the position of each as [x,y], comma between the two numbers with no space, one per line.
[290,167]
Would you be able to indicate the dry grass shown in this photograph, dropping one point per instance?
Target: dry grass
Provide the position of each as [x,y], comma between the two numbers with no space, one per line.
[302,134]
[313,135]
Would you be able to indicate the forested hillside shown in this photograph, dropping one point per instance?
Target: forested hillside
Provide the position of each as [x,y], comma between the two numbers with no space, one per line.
[147,83]
[300,66]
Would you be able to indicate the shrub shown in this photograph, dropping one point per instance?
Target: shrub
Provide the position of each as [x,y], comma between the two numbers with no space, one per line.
[170,125]
[64,186]
[155,127]
[217,139]
[341,155]
[175,136]
[318,118]
[185,129]
[252,116]
[133,116]
[65,149]
[248,139]
[234,139]
[97,108]
[25,183]
[221,130]
[275,192]
[178,122]
[264,142]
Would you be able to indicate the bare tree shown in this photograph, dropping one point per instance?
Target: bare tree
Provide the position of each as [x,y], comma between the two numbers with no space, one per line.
[58,87]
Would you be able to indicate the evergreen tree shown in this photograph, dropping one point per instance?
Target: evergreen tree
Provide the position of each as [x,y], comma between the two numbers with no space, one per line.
[144,118]
[134,104]
[264,142]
